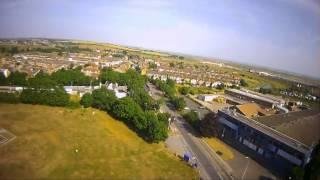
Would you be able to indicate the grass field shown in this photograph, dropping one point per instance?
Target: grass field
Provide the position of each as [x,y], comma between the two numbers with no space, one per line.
[218,145]
[256,81]
[200,90]
[62,143]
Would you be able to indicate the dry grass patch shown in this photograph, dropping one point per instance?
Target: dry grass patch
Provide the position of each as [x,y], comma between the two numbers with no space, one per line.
[219,146]
[65,143]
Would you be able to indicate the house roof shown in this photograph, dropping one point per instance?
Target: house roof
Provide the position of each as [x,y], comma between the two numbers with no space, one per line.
[250,109]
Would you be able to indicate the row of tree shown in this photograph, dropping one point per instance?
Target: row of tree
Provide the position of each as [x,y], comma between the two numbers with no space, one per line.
[138,110]
[43,88]
[150,125]
[168,87]
[136,86]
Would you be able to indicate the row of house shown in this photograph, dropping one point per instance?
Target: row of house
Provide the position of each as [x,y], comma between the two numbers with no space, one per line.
[120,91]
[191,80]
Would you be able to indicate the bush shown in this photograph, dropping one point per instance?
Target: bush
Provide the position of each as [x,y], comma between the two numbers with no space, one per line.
[179,103]
[156,130]
[17,79]
[9,98]
[209,125]
[71,77]
[193,119]
[243,83]
[130,112]
[103,99]
[184,90]
[73,105]
[55,97]
[86,100]
[163,117]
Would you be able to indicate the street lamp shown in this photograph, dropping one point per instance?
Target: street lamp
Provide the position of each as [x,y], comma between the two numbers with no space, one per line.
[245,170]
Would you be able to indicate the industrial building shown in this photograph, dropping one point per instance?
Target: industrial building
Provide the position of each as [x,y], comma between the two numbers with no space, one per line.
[250,96]
[279,141]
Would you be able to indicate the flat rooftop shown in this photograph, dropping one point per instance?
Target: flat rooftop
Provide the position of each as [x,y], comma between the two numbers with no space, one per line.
[303,126]
[272,132]
[254,96]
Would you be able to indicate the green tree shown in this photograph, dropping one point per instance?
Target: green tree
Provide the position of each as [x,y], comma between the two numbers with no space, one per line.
[156,130]
[103,99]
[297,173]
[184,90]
[209,125]
[14,50]
[71,77]
[42,80]
[179,103]
[17,79]
[3,79]
[265,89]
[243,83]
[152,66]
[55,97]
[163,117]
[193,119]
[109,75]
[9,97]
[86,100]
[130,112]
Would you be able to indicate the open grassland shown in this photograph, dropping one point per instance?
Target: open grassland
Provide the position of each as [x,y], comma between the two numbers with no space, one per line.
[62,143]
[200,90]
[135,51]
[256,81]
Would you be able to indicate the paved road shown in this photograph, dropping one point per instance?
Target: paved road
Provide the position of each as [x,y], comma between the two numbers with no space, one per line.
[207,164]
[196,107]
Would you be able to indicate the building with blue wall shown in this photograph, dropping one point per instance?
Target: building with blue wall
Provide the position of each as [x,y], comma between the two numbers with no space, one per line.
[265,144]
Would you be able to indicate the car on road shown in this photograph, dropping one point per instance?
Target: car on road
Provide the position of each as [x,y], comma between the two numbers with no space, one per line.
[186,108]
[202,107]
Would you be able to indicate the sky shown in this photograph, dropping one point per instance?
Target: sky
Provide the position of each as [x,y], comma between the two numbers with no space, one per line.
[281,34]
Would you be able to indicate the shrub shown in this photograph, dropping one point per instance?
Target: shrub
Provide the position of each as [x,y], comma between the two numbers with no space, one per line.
[193,119]
[184,90]
[86,100]
[9,97]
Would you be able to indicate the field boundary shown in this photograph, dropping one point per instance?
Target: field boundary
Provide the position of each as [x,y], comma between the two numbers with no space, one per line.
[6,136]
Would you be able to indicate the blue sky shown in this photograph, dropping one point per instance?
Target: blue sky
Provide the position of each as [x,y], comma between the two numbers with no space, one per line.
[282,34]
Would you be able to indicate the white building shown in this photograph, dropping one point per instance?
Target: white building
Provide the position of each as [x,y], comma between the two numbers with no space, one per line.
[207,97]
[216,84]
[120,91]
[193,81]
[163,78]
[178,80]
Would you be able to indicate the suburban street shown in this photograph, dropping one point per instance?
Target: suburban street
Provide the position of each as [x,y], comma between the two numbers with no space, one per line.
[209,168]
